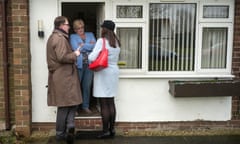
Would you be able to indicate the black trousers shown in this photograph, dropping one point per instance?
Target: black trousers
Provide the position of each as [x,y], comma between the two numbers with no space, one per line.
[65,119]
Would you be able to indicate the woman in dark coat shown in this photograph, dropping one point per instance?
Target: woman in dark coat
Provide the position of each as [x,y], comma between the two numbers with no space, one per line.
[63,82]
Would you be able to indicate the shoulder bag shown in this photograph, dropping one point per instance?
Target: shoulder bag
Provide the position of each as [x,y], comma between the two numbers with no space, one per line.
[102,60]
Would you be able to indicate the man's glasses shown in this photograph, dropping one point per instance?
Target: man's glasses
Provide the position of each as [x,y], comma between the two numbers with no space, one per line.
[66,24]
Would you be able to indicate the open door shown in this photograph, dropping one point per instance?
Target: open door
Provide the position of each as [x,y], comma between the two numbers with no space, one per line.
[93,15]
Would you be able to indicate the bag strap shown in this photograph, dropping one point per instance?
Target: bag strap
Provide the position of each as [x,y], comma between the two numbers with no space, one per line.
[104,44]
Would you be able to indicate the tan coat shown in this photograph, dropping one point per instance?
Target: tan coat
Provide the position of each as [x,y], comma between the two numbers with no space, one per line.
[63,82]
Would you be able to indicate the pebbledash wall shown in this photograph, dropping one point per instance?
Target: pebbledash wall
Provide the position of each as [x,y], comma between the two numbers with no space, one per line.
[22,107]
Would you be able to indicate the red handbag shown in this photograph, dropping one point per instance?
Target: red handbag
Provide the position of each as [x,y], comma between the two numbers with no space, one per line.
[102,60]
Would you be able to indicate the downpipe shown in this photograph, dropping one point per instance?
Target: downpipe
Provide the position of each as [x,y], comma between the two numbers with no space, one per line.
[5,64]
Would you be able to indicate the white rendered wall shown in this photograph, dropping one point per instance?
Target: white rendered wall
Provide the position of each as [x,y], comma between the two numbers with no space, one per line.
[45,10]
[149,100]
[139,100]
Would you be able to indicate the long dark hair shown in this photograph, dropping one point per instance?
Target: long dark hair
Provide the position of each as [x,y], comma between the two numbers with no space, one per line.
[111,36]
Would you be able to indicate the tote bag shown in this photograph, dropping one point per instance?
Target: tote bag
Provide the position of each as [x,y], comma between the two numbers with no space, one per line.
[102,60]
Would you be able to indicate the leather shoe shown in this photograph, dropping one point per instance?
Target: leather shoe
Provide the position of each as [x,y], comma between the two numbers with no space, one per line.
[112,132]
[70,136]
[60,139]
[104,135]
[87,111]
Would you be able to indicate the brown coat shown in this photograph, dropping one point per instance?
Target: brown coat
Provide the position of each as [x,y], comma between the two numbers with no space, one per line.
[63,82]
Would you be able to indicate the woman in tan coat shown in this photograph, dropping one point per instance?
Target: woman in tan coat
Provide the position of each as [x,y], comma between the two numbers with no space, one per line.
[63,82]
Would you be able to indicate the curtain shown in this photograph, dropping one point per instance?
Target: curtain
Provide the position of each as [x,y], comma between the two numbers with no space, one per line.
[214,48]
[172,37]
[131,49]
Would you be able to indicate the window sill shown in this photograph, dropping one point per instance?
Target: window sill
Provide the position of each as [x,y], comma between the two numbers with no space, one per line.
[170,75]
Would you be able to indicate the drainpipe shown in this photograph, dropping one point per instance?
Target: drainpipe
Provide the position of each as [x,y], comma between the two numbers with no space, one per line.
[5,64]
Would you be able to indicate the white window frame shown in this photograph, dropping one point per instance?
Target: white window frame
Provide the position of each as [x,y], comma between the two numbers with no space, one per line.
[216,23]
[133,23]
[230,4]
[200,23]
[226,70]
[130,3]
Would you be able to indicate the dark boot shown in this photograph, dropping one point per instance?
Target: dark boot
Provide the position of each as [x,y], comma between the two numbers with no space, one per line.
[104,135]
[112,132]
[111,129]
[70,136]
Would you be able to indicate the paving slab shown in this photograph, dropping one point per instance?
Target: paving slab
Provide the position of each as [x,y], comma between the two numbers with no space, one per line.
[90,138]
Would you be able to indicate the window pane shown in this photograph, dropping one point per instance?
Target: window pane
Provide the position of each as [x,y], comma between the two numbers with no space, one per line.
[214,48]
[131,48]
[129,11]
[172,37]
[215,12]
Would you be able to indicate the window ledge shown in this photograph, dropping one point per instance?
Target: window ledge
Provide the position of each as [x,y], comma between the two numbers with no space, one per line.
[174,76]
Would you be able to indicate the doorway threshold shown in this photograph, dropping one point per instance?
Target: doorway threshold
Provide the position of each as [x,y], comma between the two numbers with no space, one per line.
[88,117]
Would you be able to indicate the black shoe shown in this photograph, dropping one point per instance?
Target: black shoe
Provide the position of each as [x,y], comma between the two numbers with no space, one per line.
[70,136]
[104,135]
[112,132]
[87,111]
[60,139]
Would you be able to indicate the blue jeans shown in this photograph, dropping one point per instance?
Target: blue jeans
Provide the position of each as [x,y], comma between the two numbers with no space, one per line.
[85,77]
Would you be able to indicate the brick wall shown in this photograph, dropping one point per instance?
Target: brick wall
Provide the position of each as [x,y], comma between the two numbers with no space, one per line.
[236,60]
[18,43]
[124,127]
